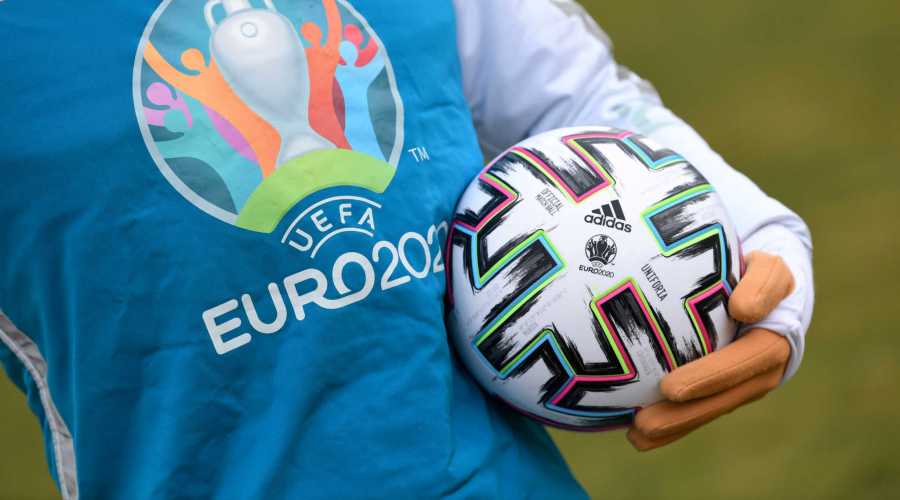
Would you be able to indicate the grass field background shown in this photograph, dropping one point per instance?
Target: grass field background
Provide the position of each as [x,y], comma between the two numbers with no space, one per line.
[802,96]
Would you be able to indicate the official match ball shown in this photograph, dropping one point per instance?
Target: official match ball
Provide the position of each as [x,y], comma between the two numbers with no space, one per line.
[586,264]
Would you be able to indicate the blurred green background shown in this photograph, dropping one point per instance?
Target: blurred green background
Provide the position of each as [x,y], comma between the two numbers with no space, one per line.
[802,97]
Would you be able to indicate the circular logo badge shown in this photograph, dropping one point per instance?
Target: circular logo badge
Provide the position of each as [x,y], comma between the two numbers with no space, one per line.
[601,250]
[247,107]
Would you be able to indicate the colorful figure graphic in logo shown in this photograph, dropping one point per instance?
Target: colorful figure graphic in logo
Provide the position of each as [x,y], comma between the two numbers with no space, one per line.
[161,96]
[355,82]
[353,34]
[248,107]
[323,62]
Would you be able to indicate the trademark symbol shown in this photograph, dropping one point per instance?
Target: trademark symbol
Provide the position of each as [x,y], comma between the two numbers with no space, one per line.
[419,153]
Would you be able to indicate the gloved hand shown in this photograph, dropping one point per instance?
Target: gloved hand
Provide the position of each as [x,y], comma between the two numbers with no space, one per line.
[741,372]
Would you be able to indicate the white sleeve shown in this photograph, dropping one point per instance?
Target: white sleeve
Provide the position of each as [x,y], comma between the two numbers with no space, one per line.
[534,65]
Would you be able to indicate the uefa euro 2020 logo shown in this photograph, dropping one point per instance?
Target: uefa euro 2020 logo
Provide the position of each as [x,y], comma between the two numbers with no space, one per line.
[600,250]
[247,107]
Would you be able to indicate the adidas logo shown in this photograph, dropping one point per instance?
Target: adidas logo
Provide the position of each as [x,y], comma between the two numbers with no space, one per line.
[609,215]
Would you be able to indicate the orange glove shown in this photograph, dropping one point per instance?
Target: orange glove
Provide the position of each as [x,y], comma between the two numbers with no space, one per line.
[741,372]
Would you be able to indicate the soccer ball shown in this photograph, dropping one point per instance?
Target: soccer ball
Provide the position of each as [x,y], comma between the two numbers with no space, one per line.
[585,264]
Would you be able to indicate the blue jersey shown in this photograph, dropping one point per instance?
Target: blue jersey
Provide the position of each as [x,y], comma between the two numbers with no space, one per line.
[221,263]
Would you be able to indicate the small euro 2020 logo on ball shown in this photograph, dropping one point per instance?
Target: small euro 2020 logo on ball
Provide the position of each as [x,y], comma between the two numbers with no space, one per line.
[600,250]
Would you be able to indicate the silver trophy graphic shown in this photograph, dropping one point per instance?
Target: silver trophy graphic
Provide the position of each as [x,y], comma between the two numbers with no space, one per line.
[261,56]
